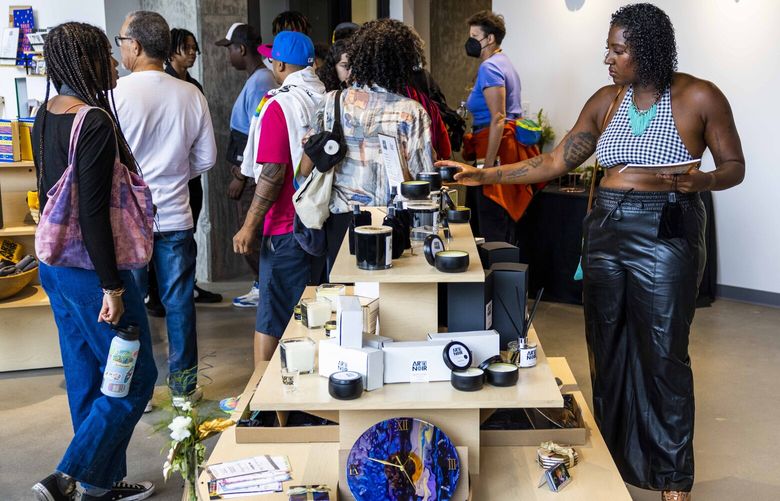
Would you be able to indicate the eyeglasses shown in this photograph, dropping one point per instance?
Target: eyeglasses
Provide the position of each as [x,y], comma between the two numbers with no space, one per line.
[118,40]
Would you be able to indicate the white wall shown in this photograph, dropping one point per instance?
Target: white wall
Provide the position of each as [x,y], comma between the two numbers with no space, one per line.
[48,13]
[559,52]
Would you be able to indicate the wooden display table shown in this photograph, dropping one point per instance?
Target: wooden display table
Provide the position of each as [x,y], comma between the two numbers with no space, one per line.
[409,290]
[408,311]
[507,472]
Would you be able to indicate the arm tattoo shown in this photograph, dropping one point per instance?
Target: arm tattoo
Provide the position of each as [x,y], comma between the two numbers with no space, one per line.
[578,148]
[269,185]
[522,168]
[514,174]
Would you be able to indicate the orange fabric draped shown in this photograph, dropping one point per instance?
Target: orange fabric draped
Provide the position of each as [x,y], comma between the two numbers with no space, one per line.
[512,197]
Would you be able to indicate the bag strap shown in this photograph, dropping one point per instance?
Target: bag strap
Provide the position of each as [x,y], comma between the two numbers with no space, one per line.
[336,129]
[75,131]
[596,165]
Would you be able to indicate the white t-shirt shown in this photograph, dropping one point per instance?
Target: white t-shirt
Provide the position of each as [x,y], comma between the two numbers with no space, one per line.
[167,124]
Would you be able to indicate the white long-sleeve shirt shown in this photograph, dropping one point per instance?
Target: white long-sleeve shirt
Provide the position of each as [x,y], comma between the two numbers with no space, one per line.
[167,124]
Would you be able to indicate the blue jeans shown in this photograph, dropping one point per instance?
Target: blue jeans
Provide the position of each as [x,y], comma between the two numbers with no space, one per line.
[102,425]
[174,262]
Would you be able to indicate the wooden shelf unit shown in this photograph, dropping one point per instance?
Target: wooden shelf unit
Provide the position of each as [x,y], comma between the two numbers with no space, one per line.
[28,338]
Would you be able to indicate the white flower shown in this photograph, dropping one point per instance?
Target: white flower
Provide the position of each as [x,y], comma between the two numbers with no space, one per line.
[166,469]
[180,428]
[186,406]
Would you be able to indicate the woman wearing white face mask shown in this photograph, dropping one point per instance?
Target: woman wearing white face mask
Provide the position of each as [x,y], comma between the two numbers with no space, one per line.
[494,104]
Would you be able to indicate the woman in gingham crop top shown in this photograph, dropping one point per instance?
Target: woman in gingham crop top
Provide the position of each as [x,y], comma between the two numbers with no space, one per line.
[643,251]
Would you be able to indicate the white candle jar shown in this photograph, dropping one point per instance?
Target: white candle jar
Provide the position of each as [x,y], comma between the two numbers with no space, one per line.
[298,354]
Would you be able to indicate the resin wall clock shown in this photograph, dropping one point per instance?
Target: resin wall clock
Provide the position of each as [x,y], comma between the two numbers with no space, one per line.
[403,459]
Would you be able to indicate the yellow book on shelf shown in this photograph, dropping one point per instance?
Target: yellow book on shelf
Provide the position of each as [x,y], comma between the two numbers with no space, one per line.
[25,141]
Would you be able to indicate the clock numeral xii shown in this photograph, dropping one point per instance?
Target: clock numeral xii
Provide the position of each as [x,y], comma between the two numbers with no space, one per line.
[403,424]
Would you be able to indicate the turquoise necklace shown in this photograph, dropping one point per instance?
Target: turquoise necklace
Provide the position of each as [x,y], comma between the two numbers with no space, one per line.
[640,120]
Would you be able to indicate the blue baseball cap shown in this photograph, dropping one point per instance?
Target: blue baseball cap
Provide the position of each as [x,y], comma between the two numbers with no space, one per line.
[290,47]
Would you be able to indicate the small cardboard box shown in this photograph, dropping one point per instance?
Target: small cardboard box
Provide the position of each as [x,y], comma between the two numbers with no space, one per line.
[562,436]
[481,344]
[349,323]
[369,362]
[415,362]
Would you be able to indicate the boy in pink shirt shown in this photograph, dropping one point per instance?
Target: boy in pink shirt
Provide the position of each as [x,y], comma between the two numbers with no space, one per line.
[284,119]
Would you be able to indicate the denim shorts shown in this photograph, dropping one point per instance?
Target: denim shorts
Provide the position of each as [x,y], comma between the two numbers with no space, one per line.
[284,273]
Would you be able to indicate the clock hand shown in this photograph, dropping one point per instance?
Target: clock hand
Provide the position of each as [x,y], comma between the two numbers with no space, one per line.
[404,470]
[387,463]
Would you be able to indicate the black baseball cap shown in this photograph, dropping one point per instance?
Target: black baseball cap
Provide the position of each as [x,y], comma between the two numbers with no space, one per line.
[240,33]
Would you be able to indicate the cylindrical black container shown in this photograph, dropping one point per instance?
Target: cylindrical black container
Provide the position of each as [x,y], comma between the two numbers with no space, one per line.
[502,374]
[416,190]
[345,385]
[459,214]
[470,379]
[359,218]
[432,177]
[423,213]
[452,261]
[447,173]
[374,247]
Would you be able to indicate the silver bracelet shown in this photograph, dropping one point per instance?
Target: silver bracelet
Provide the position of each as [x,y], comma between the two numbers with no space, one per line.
[114,292]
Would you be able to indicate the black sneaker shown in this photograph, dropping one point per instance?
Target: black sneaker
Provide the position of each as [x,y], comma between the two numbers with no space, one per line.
[54,488]
[124,491]
[204,296]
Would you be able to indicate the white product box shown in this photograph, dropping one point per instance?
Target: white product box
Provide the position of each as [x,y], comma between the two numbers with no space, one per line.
[378,342]
[366,361]
[349,321]
[482,344]
[415,362]
[367,289]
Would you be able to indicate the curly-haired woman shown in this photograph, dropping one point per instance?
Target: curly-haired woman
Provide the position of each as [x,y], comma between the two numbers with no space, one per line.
[382,55]
[643,254]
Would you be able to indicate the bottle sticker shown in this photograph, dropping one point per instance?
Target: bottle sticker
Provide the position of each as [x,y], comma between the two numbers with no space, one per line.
[489,315]
[419,372]
[388,250]
[528,356]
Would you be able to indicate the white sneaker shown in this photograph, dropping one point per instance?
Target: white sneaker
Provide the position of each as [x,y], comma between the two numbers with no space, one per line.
[194,397]
[148,407]
[250,299]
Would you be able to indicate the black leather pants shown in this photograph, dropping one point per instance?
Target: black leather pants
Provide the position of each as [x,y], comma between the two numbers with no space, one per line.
[640,297]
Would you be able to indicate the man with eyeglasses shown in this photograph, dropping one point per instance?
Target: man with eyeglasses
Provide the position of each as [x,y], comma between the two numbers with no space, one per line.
[167,124]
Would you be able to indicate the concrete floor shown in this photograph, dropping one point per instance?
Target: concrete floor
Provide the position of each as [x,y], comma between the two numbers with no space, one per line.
[734,348]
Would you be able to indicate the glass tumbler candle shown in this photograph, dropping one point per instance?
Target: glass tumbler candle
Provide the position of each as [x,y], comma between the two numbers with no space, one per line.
[290,380]
[298,354]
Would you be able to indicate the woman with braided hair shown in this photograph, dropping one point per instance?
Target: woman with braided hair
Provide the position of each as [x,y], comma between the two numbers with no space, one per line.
[86,302]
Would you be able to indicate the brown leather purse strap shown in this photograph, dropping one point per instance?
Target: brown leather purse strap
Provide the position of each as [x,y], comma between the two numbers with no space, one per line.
[596,165]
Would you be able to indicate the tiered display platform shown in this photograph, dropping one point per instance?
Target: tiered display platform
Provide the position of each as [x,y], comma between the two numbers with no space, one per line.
[407,295]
